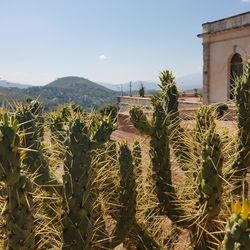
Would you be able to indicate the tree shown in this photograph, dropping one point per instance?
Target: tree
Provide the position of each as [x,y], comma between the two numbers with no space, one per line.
[142,91]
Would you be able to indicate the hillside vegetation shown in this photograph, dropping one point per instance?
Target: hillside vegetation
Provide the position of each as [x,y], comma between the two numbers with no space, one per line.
[8,95]
[67,89]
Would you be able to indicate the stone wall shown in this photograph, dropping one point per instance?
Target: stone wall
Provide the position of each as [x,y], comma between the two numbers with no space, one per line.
[187,106]
[221,40]
[229,23]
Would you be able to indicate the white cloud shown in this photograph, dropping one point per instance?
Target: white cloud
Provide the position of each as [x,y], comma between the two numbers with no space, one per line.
[245,1]
[102,57]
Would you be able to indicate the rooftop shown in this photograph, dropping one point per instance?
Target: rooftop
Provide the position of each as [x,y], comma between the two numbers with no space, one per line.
[225,24]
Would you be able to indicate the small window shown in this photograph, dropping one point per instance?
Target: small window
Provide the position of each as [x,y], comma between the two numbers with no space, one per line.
[236,69]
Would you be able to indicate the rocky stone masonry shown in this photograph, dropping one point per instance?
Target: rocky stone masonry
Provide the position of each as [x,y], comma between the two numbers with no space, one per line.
[228,23]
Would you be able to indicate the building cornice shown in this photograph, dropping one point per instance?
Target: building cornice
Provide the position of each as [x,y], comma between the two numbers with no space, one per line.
[226,24]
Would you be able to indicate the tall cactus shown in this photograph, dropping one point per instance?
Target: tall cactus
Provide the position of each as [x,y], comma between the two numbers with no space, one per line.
[160,157]
[126,221]
[170,98]
[18,216]
[78,200]
[127,199]
[209,177]
[30,119]
[242,98]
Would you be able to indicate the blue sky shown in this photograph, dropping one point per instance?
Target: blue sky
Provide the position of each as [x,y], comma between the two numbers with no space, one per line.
[104,40]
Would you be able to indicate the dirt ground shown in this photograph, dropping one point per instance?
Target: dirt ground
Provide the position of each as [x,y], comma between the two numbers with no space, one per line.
[126,132]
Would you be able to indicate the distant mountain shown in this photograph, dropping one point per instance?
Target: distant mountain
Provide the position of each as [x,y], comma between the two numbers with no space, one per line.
[135,86]
[84,92]
[114,86]
[10,95]
[188,82]
[79,90]
[6,84]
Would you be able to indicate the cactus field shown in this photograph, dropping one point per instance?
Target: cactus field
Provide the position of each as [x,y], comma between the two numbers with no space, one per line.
[65,183]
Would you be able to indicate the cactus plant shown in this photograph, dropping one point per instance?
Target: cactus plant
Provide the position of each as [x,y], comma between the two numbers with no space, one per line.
[160,157]
[77,197]
[77,179]
[242,161]
[205,120]
[127,199]
[58,123]
[209,178]
[137,195]
[237,228]
[208,160]
[137,156]
[29,116]
[170,98]
[126,221]
[19,219]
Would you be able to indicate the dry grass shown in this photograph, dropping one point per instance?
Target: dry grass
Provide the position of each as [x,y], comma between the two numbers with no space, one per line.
[160,227]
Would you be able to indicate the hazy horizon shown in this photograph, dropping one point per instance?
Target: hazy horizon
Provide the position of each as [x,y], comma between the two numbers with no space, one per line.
[105,41]
[113,83]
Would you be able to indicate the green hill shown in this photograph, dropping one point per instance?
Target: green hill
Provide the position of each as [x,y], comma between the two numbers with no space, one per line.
[73,89]
[67,89]
[10,95]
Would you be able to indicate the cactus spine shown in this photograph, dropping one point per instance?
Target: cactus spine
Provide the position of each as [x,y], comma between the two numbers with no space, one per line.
[77,199]
[170,97]
[209,180]
[126,222]
[204,122]
[88,188]
[77,179]
[127,200]
[29,116]
[242,97]
[137,154]
[160,157]
[18,216]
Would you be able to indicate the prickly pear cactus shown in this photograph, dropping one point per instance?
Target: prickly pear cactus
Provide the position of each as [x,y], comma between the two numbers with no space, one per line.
[237,228]
[77,226]
[18,217]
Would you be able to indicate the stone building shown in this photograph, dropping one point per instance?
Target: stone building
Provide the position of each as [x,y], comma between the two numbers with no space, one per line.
[226,47]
